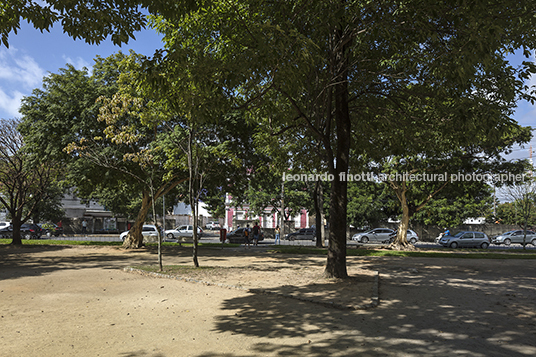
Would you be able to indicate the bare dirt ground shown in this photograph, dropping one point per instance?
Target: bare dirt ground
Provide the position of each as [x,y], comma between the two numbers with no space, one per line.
[78,301]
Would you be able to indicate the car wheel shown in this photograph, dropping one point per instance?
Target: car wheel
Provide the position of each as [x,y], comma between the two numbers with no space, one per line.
[454,245]
[170,236]
[364,240]
[507,241]
[27,236]
[413,240]
[534,242]
[49,234]
[484,245]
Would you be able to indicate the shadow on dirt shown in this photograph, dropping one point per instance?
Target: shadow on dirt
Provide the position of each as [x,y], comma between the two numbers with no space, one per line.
[432,308]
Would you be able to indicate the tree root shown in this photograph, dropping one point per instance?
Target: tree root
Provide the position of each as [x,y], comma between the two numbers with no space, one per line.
[402,246]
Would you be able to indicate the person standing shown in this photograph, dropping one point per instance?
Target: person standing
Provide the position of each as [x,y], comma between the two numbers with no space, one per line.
[84,226]
[256,233]
[277,235]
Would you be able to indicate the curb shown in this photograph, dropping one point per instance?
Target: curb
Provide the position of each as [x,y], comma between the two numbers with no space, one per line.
[374,300]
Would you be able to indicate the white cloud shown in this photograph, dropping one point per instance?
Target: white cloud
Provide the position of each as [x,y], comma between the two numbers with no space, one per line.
[20,69]
[78,63]
[19,74]
[10,103]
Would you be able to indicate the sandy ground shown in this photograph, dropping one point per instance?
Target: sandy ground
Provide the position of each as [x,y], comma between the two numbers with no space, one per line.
[78,301]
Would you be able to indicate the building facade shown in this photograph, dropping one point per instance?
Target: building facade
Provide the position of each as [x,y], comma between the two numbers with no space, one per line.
[240,215]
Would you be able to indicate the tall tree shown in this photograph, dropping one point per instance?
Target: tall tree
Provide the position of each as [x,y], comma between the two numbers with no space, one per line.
[24,178]
[336,66]
[523,195]
[109,160]
[117,19]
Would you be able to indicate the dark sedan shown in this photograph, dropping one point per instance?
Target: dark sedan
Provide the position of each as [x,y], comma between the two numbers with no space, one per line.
[237,236]
[30,231]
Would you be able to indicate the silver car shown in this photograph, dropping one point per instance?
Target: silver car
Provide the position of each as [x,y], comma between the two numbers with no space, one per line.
[186,230]
[377,235]
[412,237]
[467,239]
[514,237]
[149,230]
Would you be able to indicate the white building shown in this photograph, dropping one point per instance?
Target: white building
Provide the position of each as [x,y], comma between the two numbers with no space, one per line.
[234,215]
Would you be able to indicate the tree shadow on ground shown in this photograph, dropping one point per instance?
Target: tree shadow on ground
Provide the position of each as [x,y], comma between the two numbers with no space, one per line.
[40,260]
[432,310]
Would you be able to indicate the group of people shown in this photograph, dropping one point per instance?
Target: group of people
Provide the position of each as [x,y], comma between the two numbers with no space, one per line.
[252,234]
[255,233]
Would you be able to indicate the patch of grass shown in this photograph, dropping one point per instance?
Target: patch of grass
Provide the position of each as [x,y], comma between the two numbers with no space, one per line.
[174,269]
[217,245]
[448,253]
[189,271]
[107,243]
[35,242]
[458,253]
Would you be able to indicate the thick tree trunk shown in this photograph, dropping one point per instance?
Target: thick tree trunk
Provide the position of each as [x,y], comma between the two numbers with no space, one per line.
[401,239]
[402,234]
[336,263]
[16,223]
[134,238]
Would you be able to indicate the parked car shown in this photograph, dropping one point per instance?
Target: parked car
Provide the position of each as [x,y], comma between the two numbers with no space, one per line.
[466,239]
[6,230]
[376,235]
[302,234]
[412,236]
[213,225]
[237,236]
[183,231]
[148,230]
[50,229]
[30,231]
[514,237]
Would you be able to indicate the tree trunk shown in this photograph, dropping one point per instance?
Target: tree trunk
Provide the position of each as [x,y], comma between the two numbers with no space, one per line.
[194,233]
[134,238]
[401,239]
[193,196]
[16,223]
[336,262]
[319,214]
[525,233]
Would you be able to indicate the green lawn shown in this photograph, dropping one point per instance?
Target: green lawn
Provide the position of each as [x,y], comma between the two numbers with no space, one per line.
[446,253]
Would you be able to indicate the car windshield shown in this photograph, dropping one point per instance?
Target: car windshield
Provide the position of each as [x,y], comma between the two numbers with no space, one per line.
[459,234]
[508,233]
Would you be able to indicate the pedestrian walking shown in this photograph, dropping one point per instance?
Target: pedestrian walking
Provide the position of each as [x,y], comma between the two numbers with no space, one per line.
[256,233]
[277,235]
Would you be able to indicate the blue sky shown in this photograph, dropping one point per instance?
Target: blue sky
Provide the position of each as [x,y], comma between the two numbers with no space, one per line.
[33,55]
